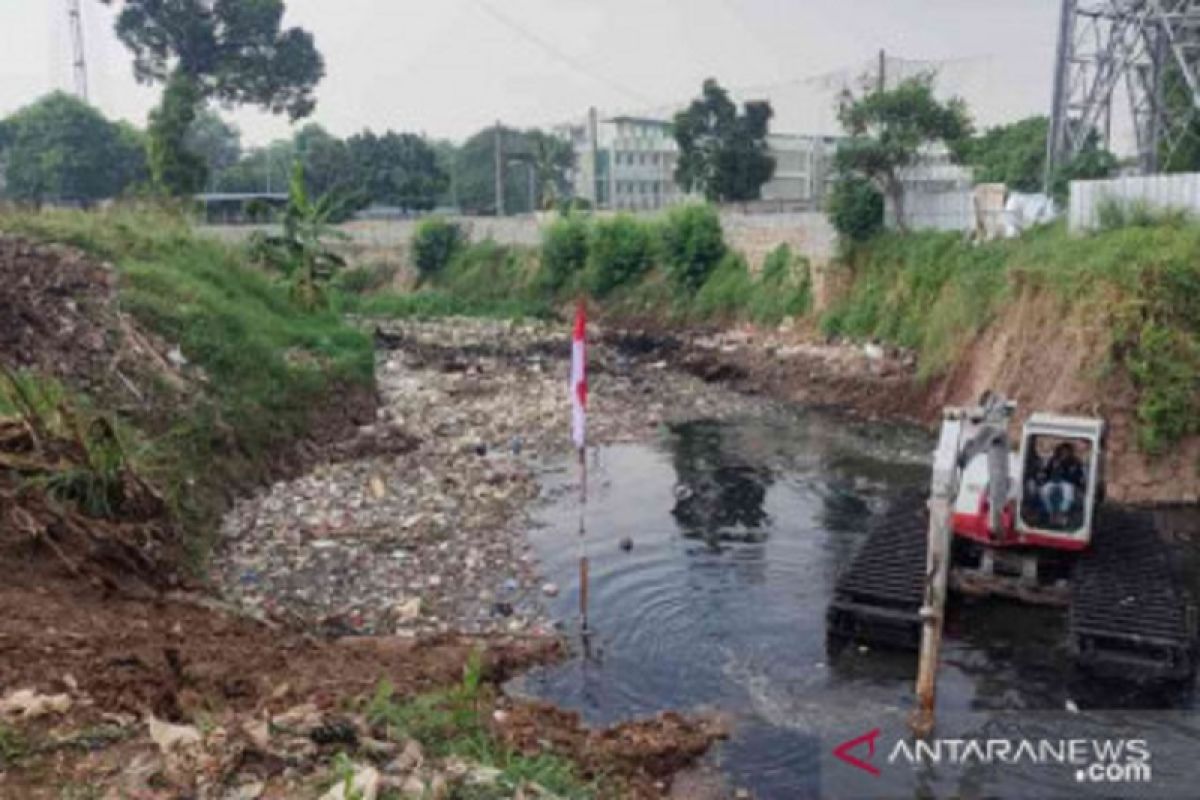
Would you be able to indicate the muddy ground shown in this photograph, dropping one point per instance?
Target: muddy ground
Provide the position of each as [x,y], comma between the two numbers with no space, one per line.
[119,677]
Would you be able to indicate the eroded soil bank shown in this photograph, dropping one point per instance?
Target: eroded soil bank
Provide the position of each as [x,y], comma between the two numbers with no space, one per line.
[1026,354]
[121,676]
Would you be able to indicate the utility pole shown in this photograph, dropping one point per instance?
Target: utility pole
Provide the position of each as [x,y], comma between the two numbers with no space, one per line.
[881,85]
[498,146]
[78,62]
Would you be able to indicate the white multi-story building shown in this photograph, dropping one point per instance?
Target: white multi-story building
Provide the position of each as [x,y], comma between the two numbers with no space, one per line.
[626,163]
[803,168]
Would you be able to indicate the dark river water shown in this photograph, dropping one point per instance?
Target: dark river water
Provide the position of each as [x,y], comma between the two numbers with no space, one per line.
[739,530]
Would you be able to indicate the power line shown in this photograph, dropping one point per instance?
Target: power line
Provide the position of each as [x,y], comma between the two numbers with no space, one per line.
[556,53]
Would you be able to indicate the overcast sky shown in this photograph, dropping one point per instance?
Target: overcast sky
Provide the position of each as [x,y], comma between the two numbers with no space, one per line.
[449,67]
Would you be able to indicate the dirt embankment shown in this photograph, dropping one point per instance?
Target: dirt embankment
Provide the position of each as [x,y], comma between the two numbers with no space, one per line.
[114,678]
[1029,353]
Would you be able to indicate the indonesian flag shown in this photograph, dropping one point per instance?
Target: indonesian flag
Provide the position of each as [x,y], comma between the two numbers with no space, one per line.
[579,388]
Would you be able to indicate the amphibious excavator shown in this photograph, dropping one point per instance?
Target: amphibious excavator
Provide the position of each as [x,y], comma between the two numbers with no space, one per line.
[1027,523]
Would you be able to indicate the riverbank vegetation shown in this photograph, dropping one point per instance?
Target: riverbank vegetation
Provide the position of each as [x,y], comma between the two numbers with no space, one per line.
[246,369]
[1137,283]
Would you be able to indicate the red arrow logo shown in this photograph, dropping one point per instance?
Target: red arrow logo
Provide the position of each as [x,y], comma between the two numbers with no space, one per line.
[842,751]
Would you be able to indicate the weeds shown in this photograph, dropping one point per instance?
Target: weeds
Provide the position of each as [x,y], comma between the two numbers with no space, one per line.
[1140,281]
[260,366]
[452,723]
[13,747]
[77,457]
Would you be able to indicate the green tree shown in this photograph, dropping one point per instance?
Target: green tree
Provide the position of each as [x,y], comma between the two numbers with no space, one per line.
[1012,154]
[888,130]
[232,51]
[1015,155]
[855,208]
[552,159]
[723,154]
[326,160]
[60,148]
[215,141]
[397,169]
[261,169]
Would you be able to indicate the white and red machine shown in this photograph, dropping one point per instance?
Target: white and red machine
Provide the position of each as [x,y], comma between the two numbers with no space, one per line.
[1027,523]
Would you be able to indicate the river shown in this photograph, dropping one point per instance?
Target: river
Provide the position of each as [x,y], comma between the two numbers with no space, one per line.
[738,531]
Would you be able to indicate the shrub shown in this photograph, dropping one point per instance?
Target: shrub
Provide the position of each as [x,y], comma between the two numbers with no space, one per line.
[620,251]
[564,253]
[855,208]
[693,244]
[784,289]
[365,279]
[488,271]
[435,243]
[727,291]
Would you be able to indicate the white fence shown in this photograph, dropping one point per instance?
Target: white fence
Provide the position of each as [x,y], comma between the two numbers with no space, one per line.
[1158,192]
[949,210]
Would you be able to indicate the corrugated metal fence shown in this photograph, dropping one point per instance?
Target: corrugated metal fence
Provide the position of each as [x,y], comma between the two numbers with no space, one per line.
[1157,192]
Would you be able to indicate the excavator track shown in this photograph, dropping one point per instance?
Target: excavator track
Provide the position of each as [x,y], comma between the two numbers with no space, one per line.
[878,598]
[1129,616]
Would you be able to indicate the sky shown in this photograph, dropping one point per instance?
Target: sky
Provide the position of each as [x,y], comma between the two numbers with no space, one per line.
[447,68]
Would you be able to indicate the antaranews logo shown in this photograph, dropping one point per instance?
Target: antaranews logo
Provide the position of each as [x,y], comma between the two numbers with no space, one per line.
[1092,760]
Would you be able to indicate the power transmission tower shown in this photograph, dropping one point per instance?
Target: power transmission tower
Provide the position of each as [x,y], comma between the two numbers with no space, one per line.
[78,62]
[1148,47]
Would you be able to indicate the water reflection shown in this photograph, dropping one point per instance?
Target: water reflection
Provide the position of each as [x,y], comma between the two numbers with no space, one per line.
[720,494]
[739,531]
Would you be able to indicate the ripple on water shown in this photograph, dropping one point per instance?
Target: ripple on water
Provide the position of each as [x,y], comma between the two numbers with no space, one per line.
[738,532]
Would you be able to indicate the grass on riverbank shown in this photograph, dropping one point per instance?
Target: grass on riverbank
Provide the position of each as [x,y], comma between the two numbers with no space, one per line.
[451,723]
[1140,283]
[268,368]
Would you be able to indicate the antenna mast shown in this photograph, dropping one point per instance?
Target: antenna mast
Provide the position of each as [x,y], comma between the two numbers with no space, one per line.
[78,62]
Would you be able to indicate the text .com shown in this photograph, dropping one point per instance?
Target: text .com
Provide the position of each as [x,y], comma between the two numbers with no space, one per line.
[1092,760]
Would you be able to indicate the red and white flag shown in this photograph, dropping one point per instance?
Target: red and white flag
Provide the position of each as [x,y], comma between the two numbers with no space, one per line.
[579,387]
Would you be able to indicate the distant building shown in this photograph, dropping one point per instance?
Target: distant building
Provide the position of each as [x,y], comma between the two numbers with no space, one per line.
[626,163]
[803,168]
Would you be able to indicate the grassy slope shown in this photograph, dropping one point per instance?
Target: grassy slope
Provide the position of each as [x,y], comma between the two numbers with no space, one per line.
[268,365]
[933,292]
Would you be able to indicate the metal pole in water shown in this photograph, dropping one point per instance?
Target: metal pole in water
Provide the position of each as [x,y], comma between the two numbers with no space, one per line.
[583,557]
[937,568]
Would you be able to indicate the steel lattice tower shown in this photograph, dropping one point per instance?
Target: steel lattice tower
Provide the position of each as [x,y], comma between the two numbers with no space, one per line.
[1148,48]
[78,63]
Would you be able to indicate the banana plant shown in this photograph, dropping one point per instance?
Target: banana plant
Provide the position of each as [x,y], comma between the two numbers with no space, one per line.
[303,251]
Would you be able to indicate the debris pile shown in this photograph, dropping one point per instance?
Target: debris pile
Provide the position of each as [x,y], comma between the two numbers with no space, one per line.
[432,539]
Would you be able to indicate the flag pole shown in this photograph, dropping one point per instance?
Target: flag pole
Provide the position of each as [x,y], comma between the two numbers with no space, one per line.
[579,392]
[583,557]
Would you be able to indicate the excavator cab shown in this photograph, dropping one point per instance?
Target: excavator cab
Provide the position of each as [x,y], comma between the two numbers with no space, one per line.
[1060,480]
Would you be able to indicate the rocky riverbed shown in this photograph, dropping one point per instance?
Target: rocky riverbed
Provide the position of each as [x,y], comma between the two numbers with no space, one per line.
[428,536]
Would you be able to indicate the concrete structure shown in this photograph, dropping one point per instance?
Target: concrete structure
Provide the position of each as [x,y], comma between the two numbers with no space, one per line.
[803,169]
[625,163]
[938,194]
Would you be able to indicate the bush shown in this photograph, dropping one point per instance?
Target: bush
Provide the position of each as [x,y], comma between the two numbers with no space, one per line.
[435,244]
[365,279]
[784,289]
[621,250]
[727,291]
[488,271]
[855,208]
[564,253]
[693,244]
